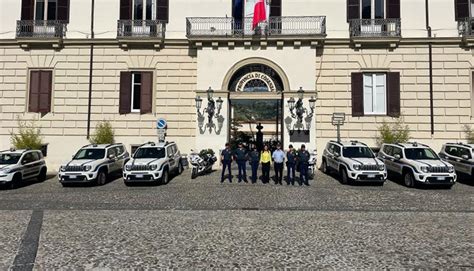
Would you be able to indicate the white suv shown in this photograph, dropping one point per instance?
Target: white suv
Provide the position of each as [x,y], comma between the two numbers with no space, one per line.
[417,163]
[354,161]
[19,165]
[461,156]
[153,163]
[94,163]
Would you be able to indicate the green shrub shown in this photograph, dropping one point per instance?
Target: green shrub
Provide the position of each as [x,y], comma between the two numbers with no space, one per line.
[28,136]
[397,132]
[469,134]
[104,133]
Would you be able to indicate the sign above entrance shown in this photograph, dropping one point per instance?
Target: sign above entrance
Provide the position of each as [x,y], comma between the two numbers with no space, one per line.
[255,82]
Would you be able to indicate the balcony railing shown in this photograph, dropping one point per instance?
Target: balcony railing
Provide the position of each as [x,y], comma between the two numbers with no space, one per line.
[375,28]
[141,29]
[228,27]
[466,27]
[41,29]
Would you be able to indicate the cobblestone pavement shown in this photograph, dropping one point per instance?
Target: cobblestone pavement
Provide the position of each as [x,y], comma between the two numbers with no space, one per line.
[203,224]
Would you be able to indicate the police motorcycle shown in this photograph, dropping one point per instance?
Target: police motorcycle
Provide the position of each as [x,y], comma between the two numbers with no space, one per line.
[312,164]
[201,163]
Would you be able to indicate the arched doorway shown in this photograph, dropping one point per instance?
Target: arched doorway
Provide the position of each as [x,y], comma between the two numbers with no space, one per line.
[256,90]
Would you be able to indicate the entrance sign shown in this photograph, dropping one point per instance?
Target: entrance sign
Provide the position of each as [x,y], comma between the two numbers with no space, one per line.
[338,120]
[161,126]
[259,76]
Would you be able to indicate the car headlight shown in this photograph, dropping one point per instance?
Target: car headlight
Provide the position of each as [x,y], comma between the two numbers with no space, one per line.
[356,167]
[128,167]
[381,167]
[451,169]
[62,168]
[87,168]
[153,167]
[425,169]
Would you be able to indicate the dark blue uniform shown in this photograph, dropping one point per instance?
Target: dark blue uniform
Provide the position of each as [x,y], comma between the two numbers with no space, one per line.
[291,166]
[303,159]
[254,162]
[226,163]
[241,157]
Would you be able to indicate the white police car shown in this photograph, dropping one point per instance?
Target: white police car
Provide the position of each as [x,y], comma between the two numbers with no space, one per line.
[19,165]
[354,161]
[461,156]
[94,163]
[153,163]
[417,163]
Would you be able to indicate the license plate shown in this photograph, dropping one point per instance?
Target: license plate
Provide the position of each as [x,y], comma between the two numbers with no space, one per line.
[72,177]
[440,178]
[139,176]
[371,176]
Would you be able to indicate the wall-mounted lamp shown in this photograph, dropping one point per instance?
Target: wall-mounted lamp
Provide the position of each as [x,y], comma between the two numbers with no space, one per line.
[297,109]
[212,110]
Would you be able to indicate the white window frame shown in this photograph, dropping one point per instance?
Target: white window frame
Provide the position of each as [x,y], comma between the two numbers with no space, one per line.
[372,9]
[132,93]
[45,15]
[374,93]
[153,10]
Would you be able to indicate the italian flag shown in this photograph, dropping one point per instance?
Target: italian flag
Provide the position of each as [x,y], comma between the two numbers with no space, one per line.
[259,13]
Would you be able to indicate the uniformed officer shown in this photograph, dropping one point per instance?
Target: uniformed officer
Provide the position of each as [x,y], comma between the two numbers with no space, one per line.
[254,157]
[291,165]
[241,158]
[226,160]
[303,159]
[278,157]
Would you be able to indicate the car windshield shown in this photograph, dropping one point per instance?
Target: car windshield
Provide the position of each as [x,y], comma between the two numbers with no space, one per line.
[420,154]
[9,158]
[150,153]
[357,152]
[90,154]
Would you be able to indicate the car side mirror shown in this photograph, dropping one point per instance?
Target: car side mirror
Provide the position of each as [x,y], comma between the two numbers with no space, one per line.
[465,157]
[170,155]
[111,157]
[337,154]
[397,156]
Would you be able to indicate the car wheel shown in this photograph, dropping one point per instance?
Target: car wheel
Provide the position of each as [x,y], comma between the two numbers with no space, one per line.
[42,175]
[324,167]
[344,177]
[15,181]
[180,168]
[408,179]
[101,178]
[165,177]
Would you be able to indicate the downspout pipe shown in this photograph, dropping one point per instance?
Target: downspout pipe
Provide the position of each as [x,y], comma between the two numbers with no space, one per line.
[91,70]
[430,52]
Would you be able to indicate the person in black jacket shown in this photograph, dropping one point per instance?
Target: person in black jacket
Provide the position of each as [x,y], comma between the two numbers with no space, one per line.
[291,165]
[303,159]
[226,160]
[241,158]
[254,157]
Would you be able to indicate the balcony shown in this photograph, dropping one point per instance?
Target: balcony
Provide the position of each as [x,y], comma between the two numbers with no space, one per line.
[46,32]
[140,31]
[375,31]
[277,28]
[466,30]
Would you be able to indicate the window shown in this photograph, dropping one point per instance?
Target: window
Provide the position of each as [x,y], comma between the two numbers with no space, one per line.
[451,150]
[89,154]
[373,9]
[420,154]
[40,91]
[397,151]
[388,150]
[28,158]
[41,10]
[375,92]
[136,92]
[144,10]
[46,10]
[463,9]
[465,152]
[472,93]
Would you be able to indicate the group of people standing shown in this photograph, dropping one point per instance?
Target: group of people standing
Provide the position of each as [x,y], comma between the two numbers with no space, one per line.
[266,158]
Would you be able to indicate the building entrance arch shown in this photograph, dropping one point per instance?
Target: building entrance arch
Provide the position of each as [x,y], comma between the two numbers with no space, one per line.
[255,89]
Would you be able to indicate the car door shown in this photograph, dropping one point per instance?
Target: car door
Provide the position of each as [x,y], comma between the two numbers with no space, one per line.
[330,155]
[386,154]
[171,160]
[120,151]
[337,154]
[111,153]
[464,165]
[27,162]
[451,155]
[397,164]
[177,155]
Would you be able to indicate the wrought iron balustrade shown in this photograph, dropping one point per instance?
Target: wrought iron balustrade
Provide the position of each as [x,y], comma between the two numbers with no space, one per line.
[141,29]
[229,27]
[375,28]
[44,29]
[466,27]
